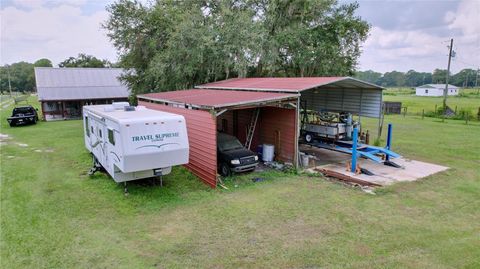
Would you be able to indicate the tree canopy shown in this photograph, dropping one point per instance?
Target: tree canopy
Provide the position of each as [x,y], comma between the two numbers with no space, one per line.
[465,78]
[84,60]
[177,44]
[21,77]
[43,63]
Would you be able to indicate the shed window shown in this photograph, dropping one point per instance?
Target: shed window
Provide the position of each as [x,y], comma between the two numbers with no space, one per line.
[87,131]
[426,91]
[111,137]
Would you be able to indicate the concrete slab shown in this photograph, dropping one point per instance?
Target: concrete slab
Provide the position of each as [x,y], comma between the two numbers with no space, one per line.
[336,162]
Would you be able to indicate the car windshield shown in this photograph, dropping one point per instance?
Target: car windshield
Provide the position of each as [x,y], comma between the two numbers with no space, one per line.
[22,110]
[230,143]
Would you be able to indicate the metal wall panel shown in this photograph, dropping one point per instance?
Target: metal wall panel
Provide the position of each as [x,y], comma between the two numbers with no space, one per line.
[79,83]
[244,117]
[277,127]
[365,102]
[201,128]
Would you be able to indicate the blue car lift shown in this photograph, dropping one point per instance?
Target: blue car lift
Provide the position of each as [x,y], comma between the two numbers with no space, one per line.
[362,150]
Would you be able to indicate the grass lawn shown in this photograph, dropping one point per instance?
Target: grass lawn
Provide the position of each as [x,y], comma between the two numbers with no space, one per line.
[54,216]
[470,101]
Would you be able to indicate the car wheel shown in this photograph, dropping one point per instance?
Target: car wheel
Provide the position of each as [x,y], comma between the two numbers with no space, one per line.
[225,170]
[308,137]
[12,124]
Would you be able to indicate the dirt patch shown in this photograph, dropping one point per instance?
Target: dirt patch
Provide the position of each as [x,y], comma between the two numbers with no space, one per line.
[22,145]
[4,137]
[43,150]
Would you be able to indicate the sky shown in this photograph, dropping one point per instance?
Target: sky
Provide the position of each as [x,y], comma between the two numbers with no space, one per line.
[404,34]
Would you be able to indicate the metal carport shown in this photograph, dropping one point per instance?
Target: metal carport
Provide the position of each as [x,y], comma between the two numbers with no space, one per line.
[334,94]
[207,111]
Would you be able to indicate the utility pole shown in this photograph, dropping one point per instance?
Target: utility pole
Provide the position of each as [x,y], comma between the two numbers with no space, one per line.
[445,92]
[9,85]
[476,81]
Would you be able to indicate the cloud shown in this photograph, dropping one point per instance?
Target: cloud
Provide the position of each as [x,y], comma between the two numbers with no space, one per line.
[421,44]
[467,18]
[34,4]
[37,29]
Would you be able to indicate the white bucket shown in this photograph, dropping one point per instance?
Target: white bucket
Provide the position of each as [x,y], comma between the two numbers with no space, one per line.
[268,152]
[305,160]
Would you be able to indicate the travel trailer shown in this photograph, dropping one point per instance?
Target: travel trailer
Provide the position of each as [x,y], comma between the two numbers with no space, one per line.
[132,143]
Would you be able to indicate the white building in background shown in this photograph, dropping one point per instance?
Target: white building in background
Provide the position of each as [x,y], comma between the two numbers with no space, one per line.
[435,90]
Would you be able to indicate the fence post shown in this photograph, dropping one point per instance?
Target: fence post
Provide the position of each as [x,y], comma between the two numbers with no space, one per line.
[423,113]
[435,110]
[466,117]
[455,110]
[478,114]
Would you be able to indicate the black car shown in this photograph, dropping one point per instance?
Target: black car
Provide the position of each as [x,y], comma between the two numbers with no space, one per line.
[23,115]
[233,157]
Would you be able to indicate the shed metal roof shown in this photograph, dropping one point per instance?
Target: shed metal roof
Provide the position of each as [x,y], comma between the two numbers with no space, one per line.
[214,99]
[289,84]
[438,86]
[79,83]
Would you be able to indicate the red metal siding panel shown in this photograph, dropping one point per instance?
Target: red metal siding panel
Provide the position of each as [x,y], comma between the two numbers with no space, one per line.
[279,122]
[201,128]
[244,117]
[228,116]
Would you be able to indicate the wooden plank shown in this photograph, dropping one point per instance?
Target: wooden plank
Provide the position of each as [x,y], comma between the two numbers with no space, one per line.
[346,178]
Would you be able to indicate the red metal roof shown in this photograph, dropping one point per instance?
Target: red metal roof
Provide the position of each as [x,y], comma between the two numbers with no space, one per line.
[216,98]
[289,84]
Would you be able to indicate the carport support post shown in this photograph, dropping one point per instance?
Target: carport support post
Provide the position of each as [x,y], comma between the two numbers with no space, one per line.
[354,150]
[389,140]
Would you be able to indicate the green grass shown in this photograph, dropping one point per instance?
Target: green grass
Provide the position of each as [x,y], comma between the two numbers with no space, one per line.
[468,100]
[54,216]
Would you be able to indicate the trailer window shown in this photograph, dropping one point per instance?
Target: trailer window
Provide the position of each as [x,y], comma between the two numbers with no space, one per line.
[100,133]
[111,137]
[87,131]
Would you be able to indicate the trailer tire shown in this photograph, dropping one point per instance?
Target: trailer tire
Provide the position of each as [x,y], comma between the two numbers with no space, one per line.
[308,137]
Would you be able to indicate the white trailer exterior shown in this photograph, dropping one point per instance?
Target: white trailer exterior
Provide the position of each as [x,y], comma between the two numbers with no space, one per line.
[136,144]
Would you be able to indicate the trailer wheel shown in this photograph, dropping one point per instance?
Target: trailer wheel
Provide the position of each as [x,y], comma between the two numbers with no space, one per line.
[308,137]
[225,170]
